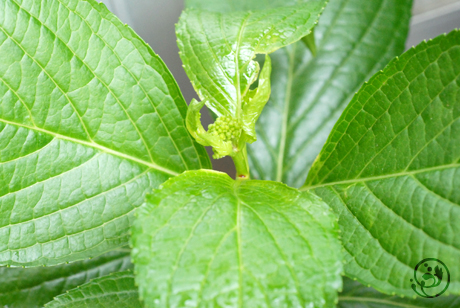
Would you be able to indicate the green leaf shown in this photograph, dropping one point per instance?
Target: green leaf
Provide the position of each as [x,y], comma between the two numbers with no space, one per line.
[90,120]
[112,291]
[204,239]
[354,39]
[391,169]
[355,295]
[218,49]
[34,287]
[257,100]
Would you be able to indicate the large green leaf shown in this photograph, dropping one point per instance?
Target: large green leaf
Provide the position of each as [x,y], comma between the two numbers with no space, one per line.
[355,295]
[205,240]
[391,169]
[355,39]
[116,290]
[218,49]
[90,120]
[34,287]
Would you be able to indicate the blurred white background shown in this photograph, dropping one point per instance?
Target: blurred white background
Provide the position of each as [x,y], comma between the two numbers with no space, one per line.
[154,21]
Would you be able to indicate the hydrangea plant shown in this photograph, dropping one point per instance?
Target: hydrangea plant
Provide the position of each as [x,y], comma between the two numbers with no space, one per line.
[347,158]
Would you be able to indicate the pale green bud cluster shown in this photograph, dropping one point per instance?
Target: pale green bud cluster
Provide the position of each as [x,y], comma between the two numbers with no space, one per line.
[230,133]
[226,128]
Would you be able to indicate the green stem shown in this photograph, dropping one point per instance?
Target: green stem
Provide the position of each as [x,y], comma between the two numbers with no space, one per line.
[241,164]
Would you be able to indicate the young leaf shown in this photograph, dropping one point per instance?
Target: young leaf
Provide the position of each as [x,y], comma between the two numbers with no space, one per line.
[391,169]
[218,51]
[90,120]
[116,290]
[204,239]
[34,287]
[355,295]
[354,38]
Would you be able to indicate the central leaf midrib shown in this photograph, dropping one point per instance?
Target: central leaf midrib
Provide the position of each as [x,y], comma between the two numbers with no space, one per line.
[376,121]
[237,67]
[98,77]
[95,146]
[381,177]
[278,247]
[284,128]
[137,81]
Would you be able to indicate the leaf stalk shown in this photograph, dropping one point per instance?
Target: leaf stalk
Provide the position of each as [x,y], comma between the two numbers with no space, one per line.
[241,164]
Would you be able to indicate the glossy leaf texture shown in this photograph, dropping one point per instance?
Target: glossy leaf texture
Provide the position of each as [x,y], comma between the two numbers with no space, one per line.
[355,295]
[90,120]
[218,48]
[205,240]
[391,169]
[116,290]
[354,39]
[34,287]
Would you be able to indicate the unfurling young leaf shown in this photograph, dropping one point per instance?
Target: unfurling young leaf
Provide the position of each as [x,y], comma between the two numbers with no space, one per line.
[218,51]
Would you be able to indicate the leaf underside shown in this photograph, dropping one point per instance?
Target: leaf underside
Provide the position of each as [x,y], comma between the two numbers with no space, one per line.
[218,48]
[391,169]
[116,290]
[354,40]
[205,240]
[34,287]
[90,120]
